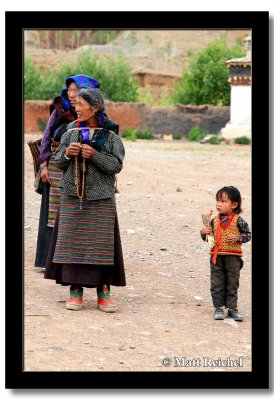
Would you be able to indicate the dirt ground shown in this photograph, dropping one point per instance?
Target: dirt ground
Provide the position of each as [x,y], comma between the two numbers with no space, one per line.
[165,318]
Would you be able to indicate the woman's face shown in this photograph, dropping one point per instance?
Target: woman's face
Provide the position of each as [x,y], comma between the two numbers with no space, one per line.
[72,94]
[84,110]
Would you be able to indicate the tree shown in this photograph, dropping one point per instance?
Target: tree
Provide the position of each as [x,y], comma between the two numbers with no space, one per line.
[206,79]
[115,76]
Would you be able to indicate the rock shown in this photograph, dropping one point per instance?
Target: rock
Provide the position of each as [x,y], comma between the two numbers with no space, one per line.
[202,343]
[231,322]
[97,328]
[179,189]
[55,348]
[205,139]
[199,300]
[167,274]
[145,333]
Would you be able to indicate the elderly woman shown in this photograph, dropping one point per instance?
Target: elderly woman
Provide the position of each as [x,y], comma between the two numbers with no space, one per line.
[62,112]
[87,250]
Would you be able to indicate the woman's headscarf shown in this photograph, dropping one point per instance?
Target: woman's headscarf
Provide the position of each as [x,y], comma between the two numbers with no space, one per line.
[81,81]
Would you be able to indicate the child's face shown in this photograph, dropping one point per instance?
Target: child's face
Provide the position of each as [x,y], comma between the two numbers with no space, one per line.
[224,205]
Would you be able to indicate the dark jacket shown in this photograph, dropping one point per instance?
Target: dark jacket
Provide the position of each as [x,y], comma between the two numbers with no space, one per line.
[101,168]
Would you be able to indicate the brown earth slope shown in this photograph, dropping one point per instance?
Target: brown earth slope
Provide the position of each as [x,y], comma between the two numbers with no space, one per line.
[162,51]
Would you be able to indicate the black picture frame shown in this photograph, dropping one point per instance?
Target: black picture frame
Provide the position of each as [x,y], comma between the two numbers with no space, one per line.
[16,23]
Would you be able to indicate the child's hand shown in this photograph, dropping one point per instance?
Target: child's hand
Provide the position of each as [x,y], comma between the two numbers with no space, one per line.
[206,230]
[232,239]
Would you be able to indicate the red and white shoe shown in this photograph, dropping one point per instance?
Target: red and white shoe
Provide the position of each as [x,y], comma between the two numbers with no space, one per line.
[104,301]
[75,301]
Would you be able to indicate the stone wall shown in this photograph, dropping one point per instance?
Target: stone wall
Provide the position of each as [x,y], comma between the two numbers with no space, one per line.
[160,120]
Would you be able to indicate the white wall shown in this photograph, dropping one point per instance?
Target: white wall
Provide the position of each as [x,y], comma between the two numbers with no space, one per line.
[240,109]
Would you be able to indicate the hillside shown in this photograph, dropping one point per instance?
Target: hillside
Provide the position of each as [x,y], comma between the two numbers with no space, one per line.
[161,52]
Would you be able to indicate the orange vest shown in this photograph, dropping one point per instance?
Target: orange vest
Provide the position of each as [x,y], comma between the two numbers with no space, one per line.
[230,228]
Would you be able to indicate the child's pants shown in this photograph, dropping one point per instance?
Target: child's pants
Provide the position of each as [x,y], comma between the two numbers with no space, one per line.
[225,277]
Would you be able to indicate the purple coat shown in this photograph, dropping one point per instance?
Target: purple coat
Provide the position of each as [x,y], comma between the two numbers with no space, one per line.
[58,116]
[45,149]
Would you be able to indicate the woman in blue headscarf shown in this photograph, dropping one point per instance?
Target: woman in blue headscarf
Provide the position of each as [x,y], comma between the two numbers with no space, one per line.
[62,112]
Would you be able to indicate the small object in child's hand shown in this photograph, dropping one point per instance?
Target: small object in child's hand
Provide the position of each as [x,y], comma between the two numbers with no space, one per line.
[206,221]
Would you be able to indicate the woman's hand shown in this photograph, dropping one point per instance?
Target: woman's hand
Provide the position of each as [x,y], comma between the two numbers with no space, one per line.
[45,175]
[73,149]
[87,151]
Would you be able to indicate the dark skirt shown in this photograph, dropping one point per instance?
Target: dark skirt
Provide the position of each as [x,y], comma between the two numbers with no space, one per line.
[87,275]
[44,231]
[48,211]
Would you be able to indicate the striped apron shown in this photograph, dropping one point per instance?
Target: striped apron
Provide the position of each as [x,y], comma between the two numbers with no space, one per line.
[85,236]
[55,176]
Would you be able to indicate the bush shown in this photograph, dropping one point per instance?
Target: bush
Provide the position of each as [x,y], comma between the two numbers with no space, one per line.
[133,134]
[103,37]
[214,139]
[176,136]
[42,124]
[196,134]
[144,134]
[130,134]
[118,84]
[242,140]
[32,81]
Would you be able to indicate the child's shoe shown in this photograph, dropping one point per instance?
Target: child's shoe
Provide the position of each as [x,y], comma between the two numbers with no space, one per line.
[104,301]
[219,313]
[234,313]
[75,301]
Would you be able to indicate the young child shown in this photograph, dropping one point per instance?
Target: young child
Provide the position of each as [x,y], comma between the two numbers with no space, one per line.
[230,231]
